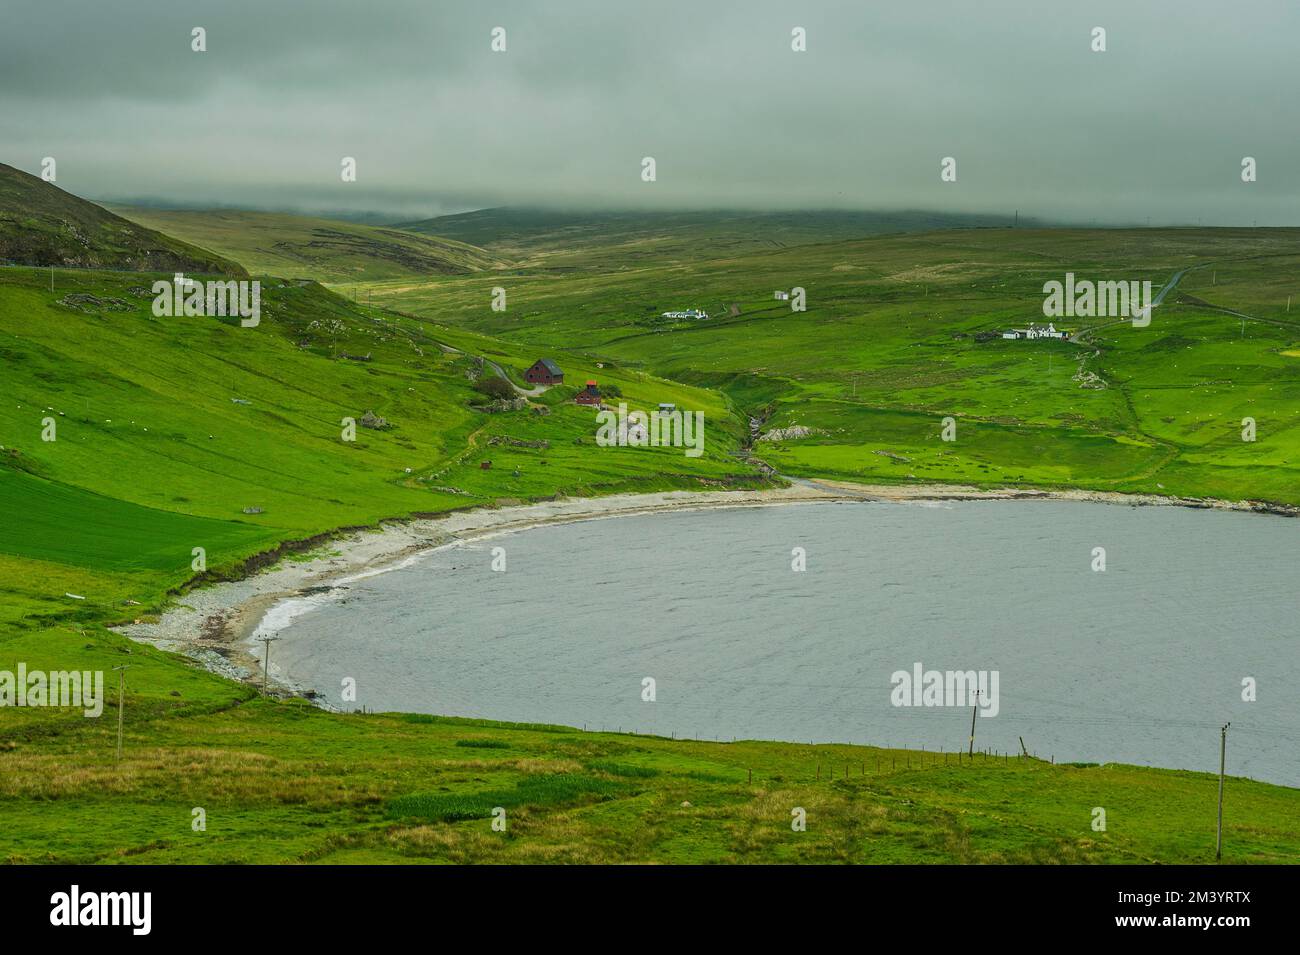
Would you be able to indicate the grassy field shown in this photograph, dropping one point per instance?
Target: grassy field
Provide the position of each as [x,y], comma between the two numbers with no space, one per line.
[322,249]
[891,344]
[177,433]
[284,782]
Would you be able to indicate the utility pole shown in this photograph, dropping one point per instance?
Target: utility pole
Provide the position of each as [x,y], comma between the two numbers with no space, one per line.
[973,713]
[1223,751]
[266,660]
[121,704]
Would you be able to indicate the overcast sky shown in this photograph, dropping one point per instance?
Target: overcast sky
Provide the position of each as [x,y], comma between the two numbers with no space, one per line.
[1155,126]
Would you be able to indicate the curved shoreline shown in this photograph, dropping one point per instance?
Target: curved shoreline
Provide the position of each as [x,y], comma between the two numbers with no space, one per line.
[214,624]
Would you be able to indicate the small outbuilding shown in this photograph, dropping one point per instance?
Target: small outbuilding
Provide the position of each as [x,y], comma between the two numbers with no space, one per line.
[589,395]
[544,372]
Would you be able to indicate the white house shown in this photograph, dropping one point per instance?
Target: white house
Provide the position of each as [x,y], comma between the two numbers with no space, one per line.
[783,296]
[1036,331]
[688,313]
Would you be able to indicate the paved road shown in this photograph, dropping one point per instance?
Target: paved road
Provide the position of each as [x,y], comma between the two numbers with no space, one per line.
[1169,286]
[524,392]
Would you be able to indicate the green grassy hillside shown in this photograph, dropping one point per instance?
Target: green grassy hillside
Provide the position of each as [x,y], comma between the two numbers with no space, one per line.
[176,433]
[41,224]
[902,331]
[304,247]
[617,241]
[225,419]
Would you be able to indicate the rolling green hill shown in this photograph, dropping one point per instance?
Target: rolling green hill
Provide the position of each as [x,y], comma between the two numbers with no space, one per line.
[326,250]
[41,224]
[903,331]
[620,240]
[225,419]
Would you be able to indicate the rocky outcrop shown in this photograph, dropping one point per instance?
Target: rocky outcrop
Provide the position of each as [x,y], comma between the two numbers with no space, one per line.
[791,433]
[85,302]
[892,456]
[518,442]
[505,404]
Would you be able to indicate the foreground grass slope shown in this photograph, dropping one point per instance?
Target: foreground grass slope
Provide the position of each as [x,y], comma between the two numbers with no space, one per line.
[326,250]
[903,331]
[284,782]
[41,224]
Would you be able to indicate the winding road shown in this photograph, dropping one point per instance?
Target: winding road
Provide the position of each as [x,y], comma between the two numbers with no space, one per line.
[522,392]
[1168,287]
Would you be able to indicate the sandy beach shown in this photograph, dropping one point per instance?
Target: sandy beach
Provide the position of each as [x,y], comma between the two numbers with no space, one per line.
[214,624]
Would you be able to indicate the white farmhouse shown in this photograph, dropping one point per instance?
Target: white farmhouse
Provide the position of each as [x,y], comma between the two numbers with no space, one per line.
[1037,331]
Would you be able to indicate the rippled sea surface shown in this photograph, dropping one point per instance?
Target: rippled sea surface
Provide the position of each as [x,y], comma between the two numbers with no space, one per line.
[1140,663]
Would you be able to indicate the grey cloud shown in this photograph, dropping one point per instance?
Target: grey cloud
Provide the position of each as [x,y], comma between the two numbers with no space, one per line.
[1156,126]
